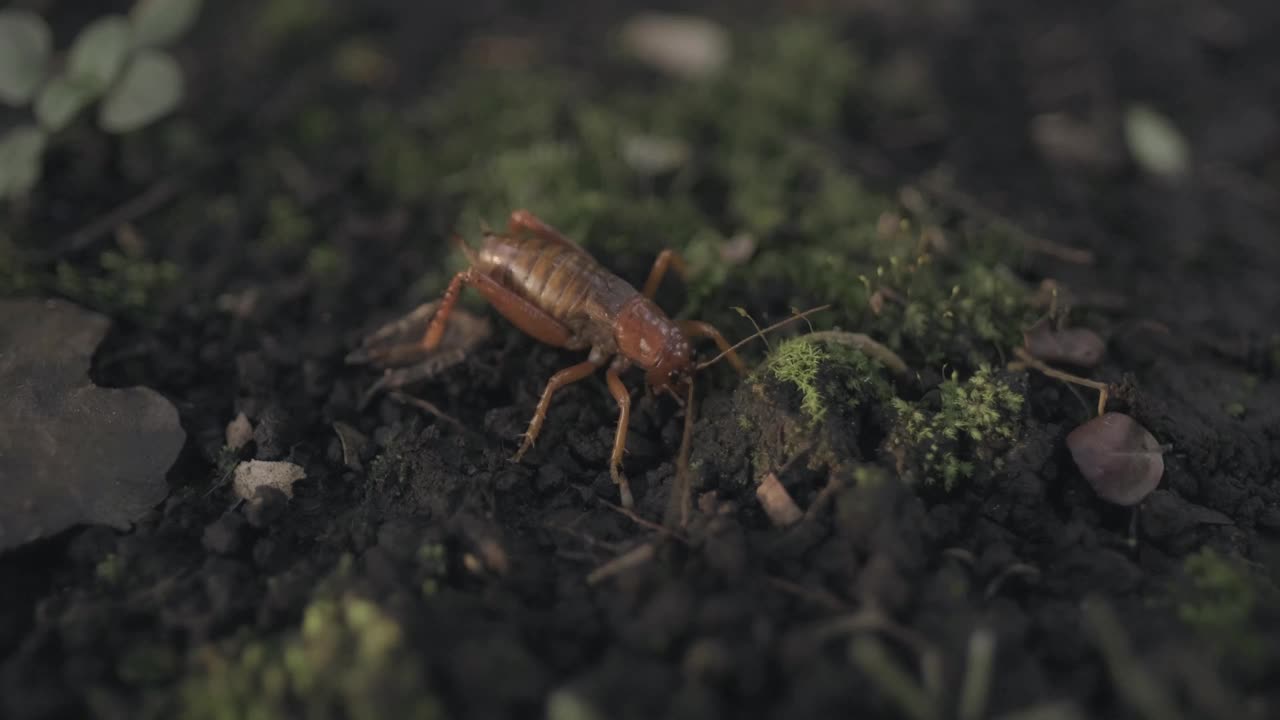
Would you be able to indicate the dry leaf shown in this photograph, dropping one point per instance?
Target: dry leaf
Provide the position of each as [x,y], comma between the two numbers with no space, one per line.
[1075,346]
[1119,457]
[72,452]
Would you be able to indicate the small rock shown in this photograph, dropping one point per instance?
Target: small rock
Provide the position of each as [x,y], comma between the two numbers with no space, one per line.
[251,475]
[239,432]
[1165,514]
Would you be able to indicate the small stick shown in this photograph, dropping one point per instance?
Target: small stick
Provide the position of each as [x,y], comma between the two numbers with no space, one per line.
[642,522]
[867,345]
[148,201]
[1103,388]
[681,502]
[633,558]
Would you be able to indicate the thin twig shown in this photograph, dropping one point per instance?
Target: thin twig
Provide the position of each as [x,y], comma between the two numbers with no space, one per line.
[680,504]
[1103,388]
[633,558]
[429,407]
[643,522]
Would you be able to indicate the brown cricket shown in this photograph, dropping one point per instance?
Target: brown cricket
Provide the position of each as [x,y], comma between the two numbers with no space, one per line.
[550,288]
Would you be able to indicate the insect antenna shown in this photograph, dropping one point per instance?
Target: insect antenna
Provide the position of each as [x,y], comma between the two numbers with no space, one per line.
[760,334]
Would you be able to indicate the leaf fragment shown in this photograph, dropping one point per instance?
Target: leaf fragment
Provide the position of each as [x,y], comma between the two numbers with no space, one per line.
[160,22]
[25,46]
[21,150]
[150,89]
[98,53]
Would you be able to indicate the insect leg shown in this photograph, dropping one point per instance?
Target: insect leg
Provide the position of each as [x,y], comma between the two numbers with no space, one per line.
[665,260]
[623,398]
[697,328]
[435,331]
[527,221]
[568,376]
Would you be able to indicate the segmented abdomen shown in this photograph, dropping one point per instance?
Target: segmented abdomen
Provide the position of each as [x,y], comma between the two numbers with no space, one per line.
[559,278]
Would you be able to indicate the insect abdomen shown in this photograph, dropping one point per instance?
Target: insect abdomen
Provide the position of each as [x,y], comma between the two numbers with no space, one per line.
[563,281]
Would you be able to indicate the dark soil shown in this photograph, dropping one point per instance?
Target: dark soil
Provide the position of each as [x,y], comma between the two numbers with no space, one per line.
[482,565]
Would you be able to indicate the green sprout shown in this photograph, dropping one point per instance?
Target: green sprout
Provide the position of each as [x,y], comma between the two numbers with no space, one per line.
[117,61]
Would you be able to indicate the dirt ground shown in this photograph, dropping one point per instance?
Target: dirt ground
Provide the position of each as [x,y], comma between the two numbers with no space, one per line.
[418,572]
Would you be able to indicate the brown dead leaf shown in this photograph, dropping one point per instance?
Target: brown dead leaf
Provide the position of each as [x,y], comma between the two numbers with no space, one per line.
[1120,458]
[1075,346]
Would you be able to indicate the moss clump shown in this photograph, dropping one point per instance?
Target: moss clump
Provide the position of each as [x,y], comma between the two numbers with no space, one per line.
[347,660]
[796,362]
[975,421]
[827,372]
[1219,600]
[126,283]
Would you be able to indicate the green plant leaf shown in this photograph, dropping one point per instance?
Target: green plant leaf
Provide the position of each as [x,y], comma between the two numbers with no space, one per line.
[25,44]
[160,22]
[61,99]
[151,88]
[99,52]
[1157,145]
[20,152]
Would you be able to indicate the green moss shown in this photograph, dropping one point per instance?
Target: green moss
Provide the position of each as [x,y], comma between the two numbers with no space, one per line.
[287,226]
[976,419]
[797,361]
[123,283]
[825,373]
[348,659]
[1219,600]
